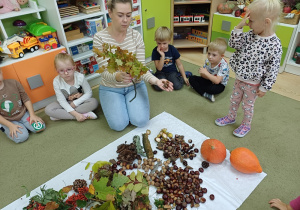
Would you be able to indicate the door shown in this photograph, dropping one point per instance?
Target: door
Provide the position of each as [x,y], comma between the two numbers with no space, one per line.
[160,10]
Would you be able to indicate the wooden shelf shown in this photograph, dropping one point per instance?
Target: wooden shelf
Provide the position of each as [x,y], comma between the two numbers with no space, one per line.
[191,2]
[80,41]
[80,16]
[23,11]
[184,43]
[190,24]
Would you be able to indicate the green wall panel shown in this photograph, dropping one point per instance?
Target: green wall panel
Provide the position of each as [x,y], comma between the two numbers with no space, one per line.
[215,35]
[161,11]
[284,33]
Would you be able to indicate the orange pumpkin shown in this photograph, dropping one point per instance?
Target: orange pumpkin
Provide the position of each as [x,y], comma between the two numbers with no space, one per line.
[213,150]
[245,161]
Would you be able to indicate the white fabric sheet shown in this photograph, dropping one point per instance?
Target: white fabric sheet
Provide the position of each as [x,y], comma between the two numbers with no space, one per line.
[230,187]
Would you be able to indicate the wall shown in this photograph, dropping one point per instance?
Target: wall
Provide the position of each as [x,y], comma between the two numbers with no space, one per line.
[161,11]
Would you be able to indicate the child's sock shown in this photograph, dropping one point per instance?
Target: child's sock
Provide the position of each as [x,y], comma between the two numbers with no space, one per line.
[90,116]
[210,97]
[54,119]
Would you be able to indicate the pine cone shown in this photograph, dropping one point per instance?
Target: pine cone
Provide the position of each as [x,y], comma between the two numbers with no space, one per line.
[79,183]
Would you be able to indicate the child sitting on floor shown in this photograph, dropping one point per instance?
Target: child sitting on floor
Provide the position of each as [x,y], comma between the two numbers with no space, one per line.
[73,93]
[165,56]
[16,111]
[215,73]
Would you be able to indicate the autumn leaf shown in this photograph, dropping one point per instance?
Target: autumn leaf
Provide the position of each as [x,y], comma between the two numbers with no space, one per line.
[119,180]
[145,190]
[51,205]
[101,188]
[110,197]
[130,186]
[137,187]
[99,164]
[139,176]
[132,176]
[91,189]
[122,189]
[106,206]
[67,189]
[87,166]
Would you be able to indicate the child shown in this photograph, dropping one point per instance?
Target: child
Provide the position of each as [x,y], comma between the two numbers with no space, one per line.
[73,93]
[293,205]
[16,111]
[255,62]
[165,56]
[215,72]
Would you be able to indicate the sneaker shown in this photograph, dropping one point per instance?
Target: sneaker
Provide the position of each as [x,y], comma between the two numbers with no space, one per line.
[54,119]
[209,97]
[242,130]
[90,116]
[224,121]
[188,74]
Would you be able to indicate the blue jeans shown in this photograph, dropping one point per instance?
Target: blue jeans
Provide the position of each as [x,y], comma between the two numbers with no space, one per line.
[25,127]
[117,109]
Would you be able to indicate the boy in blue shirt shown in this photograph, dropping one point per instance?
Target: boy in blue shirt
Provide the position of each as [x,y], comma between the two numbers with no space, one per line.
[166,58]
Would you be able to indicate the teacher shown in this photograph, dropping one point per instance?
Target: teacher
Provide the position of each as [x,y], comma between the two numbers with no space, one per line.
[116,89]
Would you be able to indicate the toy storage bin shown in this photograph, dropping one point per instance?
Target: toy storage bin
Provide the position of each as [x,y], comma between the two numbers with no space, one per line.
[292,21]
[93,26]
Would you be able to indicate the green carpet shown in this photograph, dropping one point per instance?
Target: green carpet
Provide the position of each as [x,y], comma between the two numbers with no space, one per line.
[274,138]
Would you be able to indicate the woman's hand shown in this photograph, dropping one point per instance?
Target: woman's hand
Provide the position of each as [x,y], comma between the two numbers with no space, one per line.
[164,84]
[123,77]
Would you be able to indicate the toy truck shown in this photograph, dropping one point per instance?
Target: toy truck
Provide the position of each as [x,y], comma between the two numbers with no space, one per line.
[30,43]
[46,35]
[14,46]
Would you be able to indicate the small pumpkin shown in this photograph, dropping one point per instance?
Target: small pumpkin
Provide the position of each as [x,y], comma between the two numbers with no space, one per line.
[245,161]
[213,150]
[225,8]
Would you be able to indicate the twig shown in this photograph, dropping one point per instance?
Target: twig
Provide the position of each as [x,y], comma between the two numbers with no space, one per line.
[134,85]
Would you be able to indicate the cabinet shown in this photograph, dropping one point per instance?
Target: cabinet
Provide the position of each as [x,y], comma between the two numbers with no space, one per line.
[36,79]
[190,7]
[223,24]
[291,66]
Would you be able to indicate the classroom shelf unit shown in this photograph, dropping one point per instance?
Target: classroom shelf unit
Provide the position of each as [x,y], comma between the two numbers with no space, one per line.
[188,7]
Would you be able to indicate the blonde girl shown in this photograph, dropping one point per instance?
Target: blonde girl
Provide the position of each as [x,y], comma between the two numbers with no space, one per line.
[73,93]
[255,62]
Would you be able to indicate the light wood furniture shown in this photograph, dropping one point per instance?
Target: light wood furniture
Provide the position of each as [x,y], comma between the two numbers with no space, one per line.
[291,66]
[206,26]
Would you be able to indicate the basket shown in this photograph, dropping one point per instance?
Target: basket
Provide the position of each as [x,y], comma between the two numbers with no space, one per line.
[292,21]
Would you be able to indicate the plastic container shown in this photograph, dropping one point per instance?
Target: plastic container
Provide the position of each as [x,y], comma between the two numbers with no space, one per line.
[93,26]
